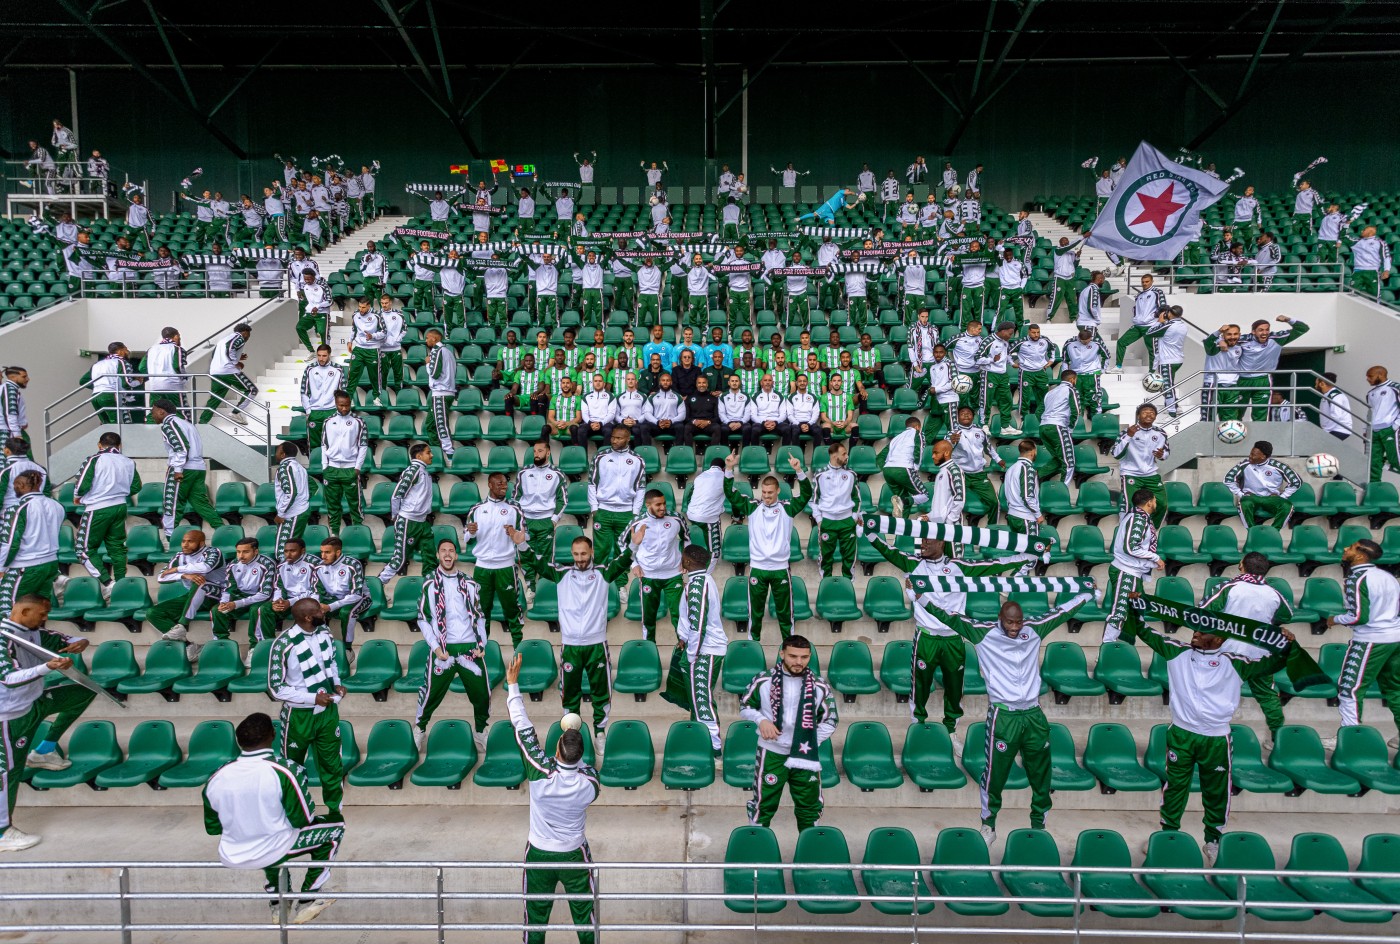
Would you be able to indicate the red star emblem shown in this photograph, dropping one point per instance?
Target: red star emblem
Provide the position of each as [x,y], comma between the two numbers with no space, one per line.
[1157,209]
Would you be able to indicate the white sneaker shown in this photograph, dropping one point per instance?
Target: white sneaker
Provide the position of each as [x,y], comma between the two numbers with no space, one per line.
[897,506]
[1011,430]
[312,910]
[350,659]
[15,840]
[107,591]
[1268,745]
[479,738]
[238,418]
[248,660]
[989,835]
[957,744]
[1329,744]
[1210,850]
[53,760]
[1393,743]
[1113,370]
[176,633]
[192,652]
[418,735]
[986,428]
[60,584]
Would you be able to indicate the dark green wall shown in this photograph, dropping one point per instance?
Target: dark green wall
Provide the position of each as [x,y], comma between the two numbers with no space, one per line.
[1032,137]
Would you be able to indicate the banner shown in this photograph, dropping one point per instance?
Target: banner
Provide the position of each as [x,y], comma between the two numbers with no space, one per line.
[1302,669]
[420,233]
[1156,208]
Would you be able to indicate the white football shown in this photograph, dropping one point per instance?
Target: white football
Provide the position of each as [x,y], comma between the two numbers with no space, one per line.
[1231,432]
[861,198]
[571,722]
[1152,383]
[1323,466]
[962,383]
[653,200]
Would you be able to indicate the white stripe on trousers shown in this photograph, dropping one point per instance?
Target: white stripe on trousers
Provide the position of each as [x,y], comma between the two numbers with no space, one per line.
[1349,699]
[987,770]
[80,546]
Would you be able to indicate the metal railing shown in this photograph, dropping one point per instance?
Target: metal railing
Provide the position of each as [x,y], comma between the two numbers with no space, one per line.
[1290,277]
[667,911]
[184,284]
[67,179]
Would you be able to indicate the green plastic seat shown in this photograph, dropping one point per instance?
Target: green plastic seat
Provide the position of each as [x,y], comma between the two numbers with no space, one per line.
[927,757]
[1181,503]
[1035,847]
[1310,541]
[638,669]
[851,671]
[1111,755]
[219,664]
[231,500]
[408,594]
[1094,502]
[687,763]
[630,758]
[1106,849]
[740,754]
[551,742]
[377,667]
[1380,852]
[885,602]
[255,680]
[92,748]
[1066,671]
[1177,549]
[503,765]
[538,670]
[743,660]
[1175,849]
[151,751]
[974,758]
[129,594]
[1119,668]
[1323,596]
[1247,769]
[1221,543]
[959,846]
[895,846]
[449,753]
[868,757]
[746,889]
[1065,772]
[111,662]
[83,594]
[896,660]
[1268,540]
[836,602]
[680,462]
[211,745]
[1086,548]
[349,753]
[1298,755]
[165,664]
[1250,851]
[1362,754]
[1320,852]
[821,891]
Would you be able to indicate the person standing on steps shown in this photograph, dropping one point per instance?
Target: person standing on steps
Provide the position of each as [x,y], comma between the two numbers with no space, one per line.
[106,482]
[303,676]
[319,382]
[186,467]
[453,624]
[344,453]
[770,523]
[1373,653]
[496,571]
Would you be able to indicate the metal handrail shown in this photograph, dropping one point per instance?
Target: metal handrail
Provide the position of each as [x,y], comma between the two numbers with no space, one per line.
[1239,931]
[32,180]
[1184,277]
[242,284]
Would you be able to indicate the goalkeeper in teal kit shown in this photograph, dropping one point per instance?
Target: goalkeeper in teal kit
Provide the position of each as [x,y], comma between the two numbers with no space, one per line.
[826,213]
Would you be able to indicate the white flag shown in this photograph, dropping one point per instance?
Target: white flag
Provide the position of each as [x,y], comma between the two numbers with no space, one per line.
[1156,208]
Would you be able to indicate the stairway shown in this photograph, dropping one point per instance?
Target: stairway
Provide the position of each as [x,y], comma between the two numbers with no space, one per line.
[280,385]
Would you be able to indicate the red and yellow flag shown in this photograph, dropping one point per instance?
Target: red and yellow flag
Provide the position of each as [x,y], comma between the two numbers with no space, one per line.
[499,166]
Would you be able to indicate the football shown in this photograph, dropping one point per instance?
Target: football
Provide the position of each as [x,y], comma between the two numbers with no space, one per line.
[962,383]
[1152,383]
[571,722]
[1323,466]
[861,198]
[1231,432]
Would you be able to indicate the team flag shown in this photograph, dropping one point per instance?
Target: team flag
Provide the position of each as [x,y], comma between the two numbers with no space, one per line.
[1156,208]
[499,166]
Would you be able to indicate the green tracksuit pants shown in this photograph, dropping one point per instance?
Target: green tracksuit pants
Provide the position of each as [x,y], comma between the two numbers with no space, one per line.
[1026,526]
[995,394]
[934,653]
[593,307]
[544,881]
[1366,663]
[422,299]
[1272,509]
[103,528]
[1120,583]
[304,731]
[1226,399]
[503,583]
[232,390]
[315,426]
[859,311]
[437,428]
[308,321]
[410,538]
[1265,692]
[1385,451]
[176,611]
[1062,293]
[496,312]
[654,592]
[1186,751]
[799,310]
[188,493]
[690,686]
[1059,445]
[972,302]
[17,737]
[1135,333]
[771,774]
[624,294]
[979,484]
[319,842]
[908,486]
[453,311]
[293,527]
[341,487]
[837,541]
[648,312]
[740,310]
[607,531]
[1254,392]
[437,681]
[540,533]
[1010,732]
[365,360]
[697,311]
[1011,307]
[1090,394]
[1153,483]
[1366,283]
[596,663]
[262,622]
[761,584]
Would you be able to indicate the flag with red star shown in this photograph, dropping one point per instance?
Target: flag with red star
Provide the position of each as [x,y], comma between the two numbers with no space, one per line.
[1155,209]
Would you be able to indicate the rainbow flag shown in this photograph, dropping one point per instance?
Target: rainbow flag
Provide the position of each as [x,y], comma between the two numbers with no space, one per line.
[499,166]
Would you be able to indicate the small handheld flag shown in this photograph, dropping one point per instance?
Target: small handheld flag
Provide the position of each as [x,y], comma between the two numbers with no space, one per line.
[499,166]
[458,169]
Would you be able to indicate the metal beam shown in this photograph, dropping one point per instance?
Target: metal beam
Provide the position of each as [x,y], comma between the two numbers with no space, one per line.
[71,8]
[170,51]
[442,60]
[976,104]
[393,16]
[1190,73]
[719,113]
[431,94]
[708,92]
[1259,50]
[958,109]
[1026,10]
[468,109]
[1244,98]
[253,70]
[981,48]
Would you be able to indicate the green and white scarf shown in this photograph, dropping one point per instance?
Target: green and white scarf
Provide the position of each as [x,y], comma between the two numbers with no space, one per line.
[803,753]
[958,534]
[315,656]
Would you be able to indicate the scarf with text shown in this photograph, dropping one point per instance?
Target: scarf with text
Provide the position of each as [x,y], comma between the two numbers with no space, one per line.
[835,232]
[737,267]
[420,233]
[1029,584]
[1302,669]
[803,753]
[812,271]
[436,589]
[644,254]
[147,263]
